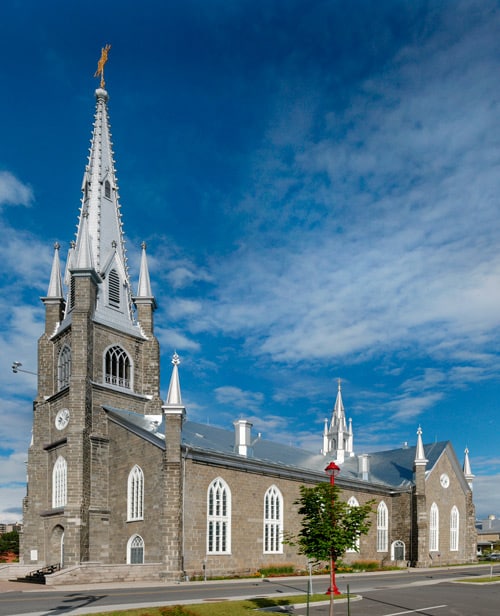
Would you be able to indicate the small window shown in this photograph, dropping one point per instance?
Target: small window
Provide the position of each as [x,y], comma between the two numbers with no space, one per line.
[63,367]
[59,483]
[107,189]
[135,550]
[114,289]
[117,370]
[135,494]
[273,521]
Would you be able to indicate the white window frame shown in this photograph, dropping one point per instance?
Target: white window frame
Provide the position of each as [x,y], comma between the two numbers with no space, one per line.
[120,371]
[59,483]
[434,528]
[136,542]
[273,521]
[382,527]
[135,494]
[454,528]
[353,502]
[218,517]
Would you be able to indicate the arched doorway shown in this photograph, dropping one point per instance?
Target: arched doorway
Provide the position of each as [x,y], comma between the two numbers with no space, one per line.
[56,546]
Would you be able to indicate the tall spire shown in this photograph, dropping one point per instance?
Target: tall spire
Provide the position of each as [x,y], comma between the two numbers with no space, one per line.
[100,243]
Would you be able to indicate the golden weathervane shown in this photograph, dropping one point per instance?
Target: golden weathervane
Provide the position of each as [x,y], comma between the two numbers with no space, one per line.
[100,65]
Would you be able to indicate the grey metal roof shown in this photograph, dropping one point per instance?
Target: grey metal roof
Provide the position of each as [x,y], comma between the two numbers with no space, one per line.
[389,469]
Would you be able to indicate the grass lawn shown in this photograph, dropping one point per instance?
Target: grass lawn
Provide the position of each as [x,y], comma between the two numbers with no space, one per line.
[481,580]
[219,608]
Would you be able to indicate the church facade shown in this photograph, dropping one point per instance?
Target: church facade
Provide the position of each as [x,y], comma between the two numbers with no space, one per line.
[122,485]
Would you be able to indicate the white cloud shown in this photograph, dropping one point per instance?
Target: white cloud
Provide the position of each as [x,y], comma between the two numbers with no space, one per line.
[13,191]
[238,398]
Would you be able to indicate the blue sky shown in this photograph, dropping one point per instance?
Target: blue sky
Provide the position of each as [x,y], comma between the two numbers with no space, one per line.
[318,183]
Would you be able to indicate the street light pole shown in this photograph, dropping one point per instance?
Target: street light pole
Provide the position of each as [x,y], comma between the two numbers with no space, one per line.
[332,470]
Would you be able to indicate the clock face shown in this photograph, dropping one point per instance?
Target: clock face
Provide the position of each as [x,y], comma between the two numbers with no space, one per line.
[62,419]
[445,480]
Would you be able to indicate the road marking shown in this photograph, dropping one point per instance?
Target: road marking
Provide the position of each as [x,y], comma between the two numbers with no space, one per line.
[416,611]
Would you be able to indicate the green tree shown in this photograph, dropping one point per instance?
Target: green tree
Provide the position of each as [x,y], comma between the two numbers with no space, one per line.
[9,542]
[330,526]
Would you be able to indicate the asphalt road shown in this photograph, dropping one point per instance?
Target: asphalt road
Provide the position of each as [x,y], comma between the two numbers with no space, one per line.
[424,592]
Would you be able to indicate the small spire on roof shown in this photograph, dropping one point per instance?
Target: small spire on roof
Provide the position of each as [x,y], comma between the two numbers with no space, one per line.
[420,458]
[467,468]
[144,287]
[83,249]
[55,285]
[174,397]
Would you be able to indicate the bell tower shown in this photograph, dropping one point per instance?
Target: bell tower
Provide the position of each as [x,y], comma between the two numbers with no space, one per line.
[98,348]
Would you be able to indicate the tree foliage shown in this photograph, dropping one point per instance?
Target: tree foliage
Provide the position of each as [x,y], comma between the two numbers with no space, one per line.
[9,542]
[330,526]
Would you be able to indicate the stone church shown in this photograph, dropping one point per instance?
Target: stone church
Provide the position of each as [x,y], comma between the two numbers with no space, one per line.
[122,485]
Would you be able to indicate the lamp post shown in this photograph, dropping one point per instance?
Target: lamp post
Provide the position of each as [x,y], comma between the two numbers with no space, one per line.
[332,470]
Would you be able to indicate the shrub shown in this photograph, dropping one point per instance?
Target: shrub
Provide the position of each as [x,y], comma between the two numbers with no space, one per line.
[276,570]
[365,565]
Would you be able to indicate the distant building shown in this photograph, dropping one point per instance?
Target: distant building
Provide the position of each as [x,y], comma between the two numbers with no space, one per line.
[121,485]
[9,528]
[488,534]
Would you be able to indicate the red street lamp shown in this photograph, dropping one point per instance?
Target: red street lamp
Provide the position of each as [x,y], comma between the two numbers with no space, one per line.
[332,470]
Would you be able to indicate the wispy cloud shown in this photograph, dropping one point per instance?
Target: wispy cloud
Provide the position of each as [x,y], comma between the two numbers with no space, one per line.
[13,191]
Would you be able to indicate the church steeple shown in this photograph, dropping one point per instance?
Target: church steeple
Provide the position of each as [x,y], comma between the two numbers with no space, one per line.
[337,438]
[100,244]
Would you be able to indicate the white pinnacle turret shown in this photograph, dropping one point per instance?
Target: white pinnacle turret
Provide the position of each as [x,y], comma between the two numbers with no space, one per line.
[467,468]
[420,459]
[144,291]
[174,397]
[55,289]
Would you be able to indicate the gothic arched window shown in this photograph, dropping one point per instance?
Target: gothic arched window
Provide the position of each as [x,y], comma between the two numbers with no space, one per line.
[353,502]
[454,526]
[135,494]
[218,518]
[107,189]
[434,529]
[382,527]
[63,367]
[117,368]
[135,550]
[273,521]
[59,483]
